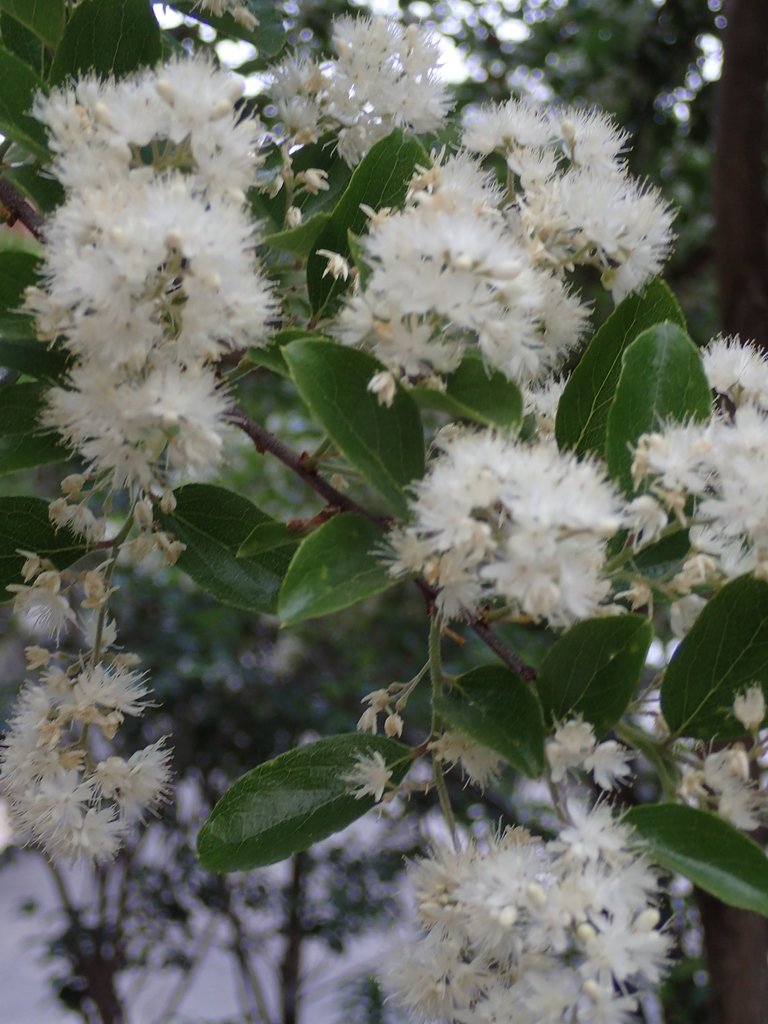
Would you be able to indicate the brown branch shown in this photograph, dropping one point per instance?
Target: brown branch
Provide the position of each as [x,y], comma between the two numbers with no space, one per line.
[21,209]
[267,442]
[507,655]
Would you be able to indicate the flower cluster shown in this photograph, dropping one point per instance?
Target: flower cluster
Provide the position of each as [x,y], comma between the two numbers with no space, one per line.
[149,274]
[470,262]
[574,201]
[562,930]
[497,518]
[711,474]
[384,77]
[574,746]
[65,790]
[726,780]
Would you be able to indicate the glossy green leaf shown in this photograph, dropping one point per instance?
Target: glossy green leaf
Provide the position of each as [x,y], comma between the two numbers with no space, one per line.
[494,707]
[385,443]
[333,568]
[288,804]
[268,36]
[267,537]
[299,241]
[473,393]
[213,523]
[18,87]
[22,443]
[582,413]
[110,37]
[708,851]
[24,525]
[34,359]
[381,179]
[725,652]
[593,670]
[662,379]
[43,17]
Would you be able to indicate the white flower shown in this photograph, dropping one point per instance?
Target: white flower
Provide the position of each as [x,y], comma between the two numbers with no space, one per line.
[609,763]
[369,777]
[481,765]
[46,608]
[749,708]
[738,370]
[499,518]
[572,743]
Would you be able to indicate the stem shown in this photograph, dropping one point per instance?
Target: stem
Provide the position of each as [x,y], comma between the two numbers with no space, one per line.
[436,676]
[265,441]
[21,209]
[116,544]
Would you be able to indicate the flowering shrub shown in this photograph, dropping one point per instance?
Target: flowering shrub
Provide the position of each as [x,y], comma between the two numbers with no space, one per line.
[414,281]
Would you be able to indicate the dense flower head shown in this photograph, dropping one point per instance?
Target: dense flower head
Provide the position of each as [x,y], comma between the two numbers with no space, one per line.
[61,794]
[573,195]
[712,474]
[496,517]
[149,273]
[557,929]
[384,77]
[449,272]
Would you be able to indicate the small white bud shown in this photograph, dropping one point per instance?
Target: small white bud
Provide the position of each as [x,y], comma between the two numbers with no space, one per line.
[647,920]
[165,91]
[384,386]
[585,933]
[393,726]
[749,708]
[293,217]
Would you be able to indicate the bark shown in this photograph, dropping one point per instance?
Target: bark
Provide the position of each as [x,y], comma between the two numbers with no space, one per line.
[290,967]
[737,941]
[741,250]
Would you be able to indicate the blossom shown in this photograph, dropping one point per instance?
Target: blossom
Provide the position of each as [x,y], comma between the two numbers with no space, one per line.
[369,776]
[499,518]
[384,76]
[556,929]
[749,708]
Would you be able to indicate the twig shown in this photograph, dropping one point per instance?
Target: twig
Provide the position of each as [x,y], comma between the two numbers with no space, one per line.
[21,209]
[266,441]
[511,660]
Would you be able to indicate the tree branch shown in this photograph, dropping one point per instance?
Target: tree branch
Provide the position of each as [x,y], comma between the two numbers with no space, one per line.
[265,441]
[21,209]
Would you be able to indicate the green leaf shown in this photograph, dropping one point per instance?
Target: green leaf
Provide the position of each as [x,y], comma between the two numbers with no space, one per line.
[381,179]
[708,851]
[268,37]
[288,804]
[109,37]
[593,669]
[44,17]
[582,413]
[477,394]
[662,378]
[333,568]
[24,524]
[213,523]
[725,652]
[18,86]
[46,193]
[385,443]
[299,241]
[267,537]
[34,359]
[494,707]
[22,444]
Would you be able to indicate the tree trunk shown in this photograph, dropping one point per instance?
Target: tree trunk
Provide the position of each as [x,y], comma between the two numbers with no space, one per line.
[737,941]
[290,967]
[741,251]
